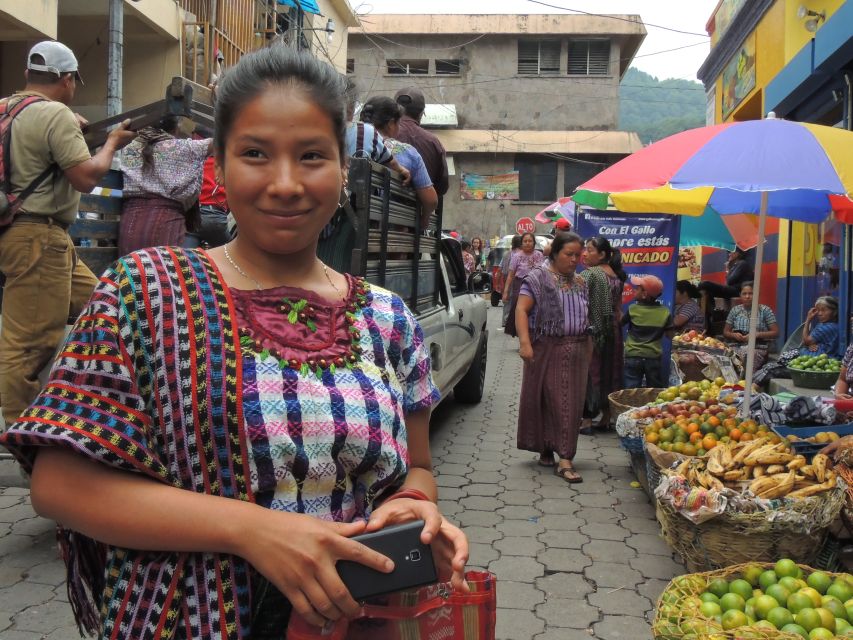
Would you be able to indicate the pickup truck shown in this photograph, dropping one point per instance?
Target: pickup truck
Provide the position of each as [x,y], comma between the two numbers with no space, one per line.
[379,237]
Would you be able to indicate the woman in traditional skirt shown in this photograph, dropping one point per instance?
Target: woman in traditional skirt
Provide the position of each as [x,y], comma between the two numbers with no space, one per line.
[552,318]
[605,279]
[521,263]
[162,183]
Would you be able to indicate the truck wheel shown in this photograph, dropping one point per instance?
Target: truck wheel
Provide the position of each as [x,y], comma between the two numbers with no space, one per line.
[469,389]
[496,298]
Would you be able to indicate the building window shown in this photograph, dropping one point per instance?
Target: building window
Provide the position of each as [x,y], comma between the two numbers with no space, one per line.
[539,57]
[577,172]
[589,57]
[447,67]
[537,178]
[350,65]
[408,67]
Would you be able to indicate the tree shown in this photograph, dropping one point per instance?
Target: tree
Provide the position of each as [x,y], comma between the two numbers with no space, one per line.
[659,108]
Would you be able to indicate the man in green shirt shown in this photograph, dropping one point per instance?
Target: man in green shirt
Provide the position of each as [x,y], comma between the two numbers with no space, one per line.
[45,281]
[647,320]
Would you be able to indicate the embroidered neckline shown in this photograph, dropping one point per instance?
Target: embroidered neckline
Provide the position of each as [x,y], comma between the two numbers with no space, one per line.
[302,312]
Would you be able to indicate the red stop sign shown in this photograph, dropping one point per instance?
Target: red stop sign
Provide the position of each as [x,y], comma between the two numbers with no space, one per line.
[525,225]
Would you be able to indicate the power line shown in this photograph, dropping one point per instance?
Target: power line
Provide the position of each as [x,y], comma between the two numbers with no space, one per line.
[613,17]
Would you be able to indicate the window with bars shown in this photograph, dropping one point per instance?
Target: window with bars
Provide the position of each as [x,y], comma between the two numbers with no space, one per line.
[407,67]
[539,57]
[447,67]
[350,65]
[589,57]
[537,178]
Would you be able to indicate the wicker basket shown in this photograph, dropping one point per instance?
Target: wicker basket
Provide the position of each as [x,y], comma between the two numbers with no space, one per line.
[677,616]
[625,399]
[813,379]
[735,537]
[631,445]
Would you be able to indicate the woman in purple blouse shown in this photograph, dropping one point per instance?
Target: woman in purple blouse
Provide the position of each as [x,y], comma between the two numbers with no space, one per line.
[520,264]
[552,320]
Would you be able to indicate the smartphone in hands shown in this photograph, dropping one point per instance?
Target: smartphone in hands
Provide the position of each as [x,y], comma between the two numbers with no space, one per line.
[414,565]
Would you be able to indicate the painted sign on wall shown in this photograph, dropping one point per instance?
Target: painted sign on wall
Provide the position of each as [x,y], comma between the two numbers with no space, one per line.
[739,76]
[498,187]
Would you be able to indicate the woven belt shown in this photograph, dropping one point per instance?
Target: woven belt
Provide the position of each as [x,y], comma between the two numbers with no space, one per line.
[29,217]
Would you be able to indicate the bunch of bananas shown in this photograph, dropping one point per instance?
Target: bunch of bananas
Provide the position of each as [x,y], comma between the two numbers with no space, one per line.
[767,470]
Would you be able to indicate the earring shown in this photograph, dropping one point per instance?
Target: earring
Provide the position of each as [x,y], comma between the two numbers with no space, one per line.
[344,197]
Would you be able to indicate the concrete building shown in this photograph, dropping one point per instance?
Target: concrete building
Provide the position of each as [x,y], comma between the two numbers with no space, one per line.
[165,38]
[532,94]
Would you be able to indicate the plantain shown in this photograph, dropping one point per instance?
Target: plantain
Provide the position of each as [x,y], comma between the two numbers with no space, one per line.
[735,475]
[681,470]
[781,487]
[758,471]
[773,457]
[752,459]
[814,489]
[819,463]
[714,466]
[774,469]
[762,484]
[797,463]
[808,471]
[746,448]
[726,459]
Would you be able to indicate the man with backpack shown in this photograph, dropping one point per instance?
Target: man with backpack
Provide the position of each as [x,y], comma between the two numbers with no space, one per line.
[46,165]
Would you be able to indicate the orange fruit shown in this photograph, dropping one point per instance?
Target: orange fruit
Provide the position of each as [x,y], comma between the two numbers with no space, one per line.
[735,434]
[696,437]
[749,428]
[714,420]
[729,423]
[709,443]
[689,450]
[746,437]
[692,427]
[652,437]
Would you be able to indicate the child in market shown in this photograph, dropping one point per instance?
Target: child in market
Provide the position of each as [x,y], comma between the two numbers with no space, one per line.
[647,321]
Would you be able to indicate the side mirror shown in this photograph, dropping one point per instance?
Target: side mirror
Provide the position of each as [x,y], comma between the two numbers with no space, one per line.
[480,282]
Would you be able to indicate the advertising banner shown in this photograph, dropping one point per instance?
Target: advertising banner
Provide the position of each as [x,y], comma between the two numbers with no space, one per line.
[498,187]
[649,246]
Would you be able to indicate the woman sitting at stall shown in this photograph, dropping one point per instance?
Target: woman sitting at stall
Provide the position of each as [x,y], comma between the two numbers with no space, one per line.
[738,323]
[688,315]
[819,336]
[845,376]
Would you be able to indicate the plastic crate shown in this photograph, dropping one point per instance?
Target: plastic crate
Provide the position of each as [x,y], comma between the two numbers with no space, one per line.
[808,449]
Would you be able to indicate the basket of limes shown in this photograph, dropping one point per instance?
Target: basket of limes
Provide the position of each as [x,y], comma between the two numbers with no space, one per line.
[814,372]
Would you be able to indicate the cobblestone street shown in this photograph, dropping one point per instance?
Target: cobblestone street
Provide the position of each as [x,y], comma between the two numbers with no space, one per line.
[573,562]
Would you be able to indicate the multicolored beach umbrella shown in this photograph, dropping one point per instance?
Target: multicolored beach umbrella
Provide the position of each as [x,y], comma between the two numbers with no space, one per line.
[779,168]
[806,170]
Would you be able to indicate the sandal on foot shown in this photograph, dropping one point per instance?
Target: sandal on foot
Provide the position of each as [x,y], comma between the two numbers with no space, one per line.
[546,461]
[568,474]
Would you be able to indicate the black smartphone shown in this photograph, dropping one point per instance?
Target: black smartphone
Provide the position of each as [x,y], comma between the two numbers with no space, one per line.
[413,562]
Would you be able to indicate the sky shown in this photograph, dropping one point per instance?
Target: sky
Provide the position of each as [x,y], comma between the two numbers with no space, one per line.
[683,15]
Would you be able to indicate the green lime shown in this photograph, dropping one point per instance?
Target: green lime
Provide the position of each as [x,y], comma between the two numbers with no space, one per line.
[709,597]
[766,579]
[779,617]
[710,609]
[732,619]
[742,588]
[827,620]
[732,601]
[819,633]
[719,587]
[752,573]
[841,590]
[764,604]
[835,607]
[808,618]
[795,628]
[779,592]
[842,626]
[799,601]
[815,596]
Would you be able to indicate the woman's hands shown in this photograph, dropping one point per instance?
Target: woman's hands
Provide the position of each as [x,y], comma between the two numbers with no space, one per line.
[297,553]
[449,544]
[526,352]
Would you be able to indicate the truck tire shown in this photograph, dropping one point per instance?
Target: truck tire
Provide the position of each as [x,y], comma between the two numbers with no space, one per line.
[469,390]
[496,298]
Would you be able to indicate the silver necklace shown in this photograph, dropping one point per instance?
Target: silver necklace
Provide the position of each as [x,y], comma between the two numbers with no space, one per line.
[258,285]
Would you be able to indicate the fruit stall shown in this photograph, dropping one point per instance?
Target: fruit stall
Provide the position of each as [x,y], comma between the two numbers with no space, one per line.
[697,357]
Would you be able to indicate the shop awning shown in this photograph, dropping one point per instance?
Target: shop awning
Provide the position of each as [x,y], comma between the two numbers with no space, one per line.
[308,6]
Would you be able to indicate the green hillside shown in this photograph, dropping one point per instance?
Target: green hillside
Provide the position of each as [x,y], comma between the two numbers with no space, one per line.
[658,108]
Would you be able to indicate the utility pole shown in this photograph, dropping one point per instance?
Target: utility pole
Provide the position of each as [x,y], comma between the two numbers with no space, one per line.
[115,59]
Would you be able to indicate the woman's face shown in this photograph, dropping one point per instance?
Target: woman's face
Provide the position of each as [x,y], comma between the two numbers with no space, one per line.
[475,244]
[592,257]
[566,261]
[282,169]
[824,313]
[681,297]
[528,244]
[746,296]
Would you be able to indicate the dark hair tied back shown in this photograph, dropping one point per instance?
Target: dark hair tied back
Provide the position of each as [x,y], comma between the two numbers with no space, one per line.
[379,111]
[279,66]
[561,240]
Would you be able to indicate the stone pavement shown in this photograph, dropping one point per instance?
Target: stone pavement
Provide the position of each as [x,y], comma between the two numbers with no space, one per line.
[573,562]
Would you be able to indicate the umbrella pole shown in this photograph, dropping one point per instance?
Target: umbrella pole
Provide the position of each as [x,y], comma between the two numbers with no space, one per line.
[753,316]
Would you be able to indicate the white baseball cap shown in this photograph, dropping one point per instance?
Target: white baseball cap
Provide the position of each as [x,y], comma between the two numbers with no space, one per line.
[57,59]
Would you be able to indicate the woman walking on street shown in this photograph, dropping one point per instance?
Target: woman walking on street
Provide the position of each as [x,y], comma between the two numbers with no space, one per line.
[521,263]
[605,280]
[515,247]
[220,424]
[552,318]
[479,252]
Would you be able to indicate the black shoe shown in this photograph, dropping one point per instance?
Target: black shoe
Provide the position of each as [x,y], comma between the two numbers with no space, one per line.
[586,431]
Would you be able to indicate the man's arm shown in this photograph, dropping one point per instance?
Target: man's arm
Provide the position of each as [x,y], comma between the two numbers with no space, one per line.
[442,183]
[85,176]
